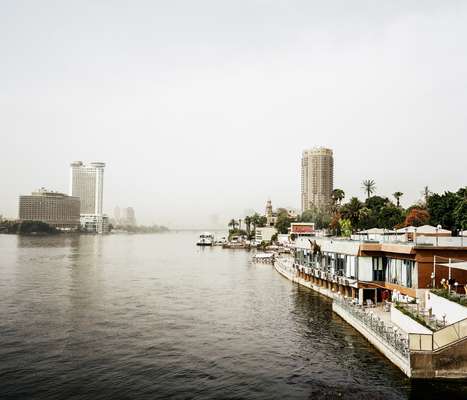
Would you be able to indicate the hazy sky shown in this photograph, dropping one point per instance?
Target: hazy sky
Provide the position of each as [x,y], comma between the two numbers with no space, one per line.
[202,108]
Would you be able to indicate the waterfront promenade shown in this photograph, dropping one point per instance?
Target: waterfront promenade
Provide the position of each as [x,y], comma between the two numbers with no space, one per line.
[413,352]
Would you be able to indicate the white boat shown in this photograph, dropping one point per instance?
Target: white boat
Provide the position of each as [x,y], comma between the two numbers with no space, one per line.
[205,239]
[221,241]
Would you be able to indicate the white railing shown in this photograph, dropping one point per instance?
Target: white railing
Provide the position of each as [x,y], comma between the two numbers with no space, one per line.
[439,339]
[373,323]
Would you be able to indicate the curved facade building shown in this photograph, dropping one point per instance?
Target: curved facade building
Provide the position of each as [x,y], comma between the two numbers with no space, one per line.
[317,178]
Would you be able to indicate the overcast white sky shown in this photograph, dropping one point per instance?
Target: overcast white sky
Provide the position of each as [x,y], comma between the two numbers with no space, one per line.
[202,108]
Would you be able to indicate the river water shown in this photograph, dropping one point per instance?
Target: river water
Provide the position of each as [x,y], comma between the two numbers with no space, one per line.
[154,316]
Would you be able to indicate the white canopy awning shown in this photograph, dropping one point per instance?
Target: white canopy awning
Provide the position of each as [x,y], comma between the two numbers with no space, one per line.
[456,265]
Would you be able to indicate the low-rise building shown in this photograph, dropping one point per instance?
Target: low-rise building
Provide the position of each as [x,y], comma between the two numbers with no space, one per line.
[265,234]
[95,223]
[367,269]
[423,330]
[412,232]
[302,228]
[56,209]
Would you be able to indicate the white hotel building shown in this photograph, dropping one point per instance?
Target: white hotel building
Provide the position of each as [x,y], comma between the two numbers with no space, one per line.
[87,183]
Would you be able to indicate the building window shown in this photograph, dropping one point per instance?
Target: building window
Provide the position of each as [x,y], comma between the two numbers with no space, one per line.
[400,272]
[378,270]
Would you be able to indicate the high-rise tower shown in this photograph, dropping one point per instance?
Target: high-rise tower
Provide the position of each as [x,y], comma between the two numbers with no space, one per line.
[317,178]
[87,183]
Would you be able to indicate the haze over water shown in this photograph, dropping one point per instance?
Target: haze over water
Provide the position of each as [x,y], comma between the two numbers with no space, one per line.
[153,316]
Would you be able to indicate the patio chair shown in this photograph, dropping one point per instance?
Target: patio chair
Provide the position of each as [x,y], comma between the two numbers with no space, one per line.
[370,303]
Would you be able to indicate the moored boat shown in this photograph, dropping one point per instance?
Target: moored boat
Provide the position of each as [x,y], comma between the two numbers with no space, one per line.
[205,239]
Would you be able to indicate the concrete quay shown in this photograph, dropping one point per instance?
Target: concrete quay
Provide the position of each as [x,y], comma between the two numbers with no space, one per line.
[418,355]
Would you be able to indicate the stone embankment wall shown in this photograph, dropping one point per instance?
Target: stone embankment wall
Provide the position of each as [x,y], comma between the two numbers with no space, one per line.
[450,362]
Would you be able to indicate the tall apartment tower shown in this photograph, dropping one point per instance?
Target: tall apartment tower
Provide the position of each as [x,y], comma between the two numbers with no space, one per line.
[317,178]
[87,183]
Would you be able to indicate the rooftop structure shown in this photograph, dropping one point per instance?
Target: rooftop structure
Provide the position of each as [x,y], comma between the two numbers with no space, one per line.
[302,228]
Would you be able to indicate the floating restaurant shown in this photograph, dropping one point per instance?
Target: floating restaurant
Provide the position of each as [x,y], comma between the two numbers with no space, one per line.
[405,293]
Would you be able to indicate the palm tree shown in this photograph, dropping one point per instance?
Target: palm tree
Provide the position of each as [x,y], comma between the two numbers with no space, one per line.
[233,223]
[397,196]
[338,195]
[352,211]
[369,186]
[426,194]
[247,221]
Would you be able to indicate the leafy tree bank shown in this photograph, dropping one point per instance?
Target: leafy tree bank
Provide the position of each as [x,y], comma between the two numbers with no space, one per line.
[27,228]
[448,210]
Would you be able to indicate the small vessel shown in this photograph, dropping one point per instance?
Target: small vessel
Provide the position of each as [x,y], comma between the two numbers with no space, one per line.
[205,239]
[221,241]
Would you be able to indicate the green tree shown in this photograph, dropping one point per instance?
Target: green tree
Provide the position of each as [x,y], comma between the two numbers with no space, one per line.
[390,216]
[369,186]
[351,211]
[397,196]
[441,209]
[248,225]
[283,221]
[376,203]
[320,218]
[367,218]
[308,215]
[233,223]
[460,214]
[29,227]
[262,221]
[337,196]
[345,227]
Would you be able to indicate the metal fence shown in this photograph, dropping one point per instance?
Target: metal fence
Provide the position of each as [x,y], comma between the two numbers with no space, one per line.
[373,323]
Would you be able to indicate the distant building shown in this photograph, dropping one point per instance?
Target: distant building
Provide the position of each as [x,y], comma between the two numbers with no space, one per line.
[265,234]
[317,178]
[87,183]
[56,209]
[271,216]
[117,214]
[302,228]
[129,216]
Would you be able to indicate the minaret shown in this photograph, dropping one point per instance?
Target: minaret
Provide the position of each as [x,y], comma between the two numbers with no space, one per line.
[269,209]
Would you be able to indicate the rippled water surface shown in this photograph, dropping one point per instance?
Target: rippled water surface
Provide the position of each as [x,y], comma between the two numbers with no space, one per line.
[154,316]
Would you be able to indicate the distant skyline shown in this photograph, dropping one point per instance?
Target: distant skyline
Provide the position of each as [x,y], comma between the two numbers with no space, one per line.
[201,110]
